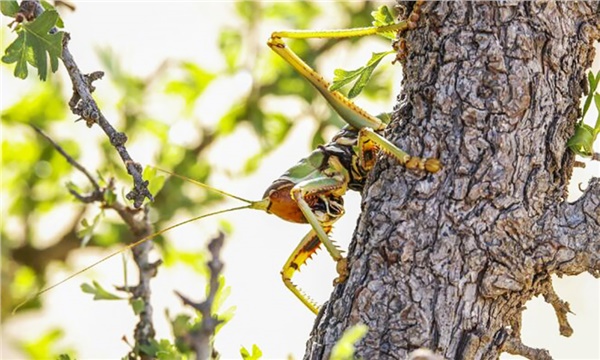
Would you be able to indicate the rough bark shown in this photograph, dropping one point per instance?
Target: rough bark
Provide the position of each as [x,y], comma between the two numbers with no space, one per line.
[447,261]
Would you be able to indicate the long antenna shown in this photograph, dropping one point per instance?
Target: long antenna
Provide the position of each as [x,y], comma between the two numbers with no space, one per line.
[203,185]
[130,246]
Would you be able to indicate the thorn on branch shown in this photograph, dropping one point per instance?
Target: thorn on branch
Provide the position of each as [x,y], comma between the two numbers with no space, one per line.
[200,337]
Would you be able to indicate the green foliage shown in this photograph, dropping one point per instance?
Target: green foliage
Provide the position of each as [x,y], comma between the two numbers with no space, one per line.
[194,81]
[344,348]
[582,141]
[99,292]
[254,355]
[383,17]
[37,43]
[360,76]
[162,350]
[9,7]
[44,346]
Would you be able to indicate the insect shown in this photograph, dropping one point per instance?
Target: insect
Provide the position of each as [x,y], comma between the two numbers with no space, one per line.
[311,191]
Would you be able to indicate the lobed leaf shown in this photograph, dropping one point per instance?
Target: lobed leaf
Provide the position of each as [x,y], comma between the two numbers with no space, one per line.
[36,45]
[383,17]
[361,75]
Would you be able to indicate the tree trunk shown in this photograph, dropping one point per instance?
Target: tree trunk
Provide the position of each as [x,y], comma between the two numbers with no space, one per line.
[447,261]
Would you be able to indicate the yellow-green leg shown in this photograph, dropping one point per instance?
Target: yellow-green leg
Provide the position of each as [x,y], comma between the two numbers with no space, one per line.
[367,135]
[305,249]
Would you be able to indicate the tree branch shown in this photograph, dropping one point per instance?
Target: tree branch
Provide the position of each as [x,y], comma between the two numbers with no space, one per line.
[141,228]
[83,104]
[200,338]
[570,235]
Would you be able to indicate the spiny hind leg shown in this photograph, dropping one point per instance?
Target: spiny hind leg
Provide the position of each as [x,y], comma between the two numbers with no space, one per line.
[304,251]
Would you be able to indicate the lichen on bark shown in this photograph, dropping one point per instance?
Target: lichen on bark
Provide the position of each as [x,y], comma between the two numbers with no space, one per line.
[448,261]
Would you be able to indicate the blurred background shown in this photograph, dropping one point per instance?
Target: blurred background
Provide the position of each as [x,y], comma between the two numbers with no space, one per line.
[197,90]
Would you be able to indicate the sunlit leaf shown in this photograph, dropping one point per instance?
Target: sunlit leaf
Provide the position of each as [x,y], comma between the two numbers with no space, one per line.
[194,81]
[344,348]
[36,45]
[137,305]
[156,180]
[383,17]
[99,292]
[162,350]
[43,347]
[254,355]
[361,75]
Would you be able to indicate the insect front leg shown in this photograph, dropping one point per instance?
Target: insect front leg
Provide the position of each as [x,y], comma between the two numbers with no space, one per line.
[368,139]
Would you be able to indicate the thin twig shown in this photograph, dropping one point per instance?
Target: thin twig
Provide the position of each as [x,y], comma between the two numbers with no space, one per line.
[69,159]
[200,338]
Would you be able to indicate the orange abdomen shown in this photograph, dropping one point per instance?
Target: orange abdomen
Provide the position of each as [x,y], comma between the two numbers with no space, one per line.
[283,205]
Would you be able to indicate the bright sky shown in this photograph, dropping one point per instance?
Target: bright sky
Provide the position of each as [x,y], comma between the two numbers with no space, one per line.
[267,313]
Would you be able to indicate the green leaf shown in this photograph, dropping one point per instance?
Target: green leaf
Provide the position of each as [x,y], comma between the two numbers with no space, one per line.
[344,348]
[156,182]
[162,349]
[383,17]
[9,7]
[597,125]
[18,52]
[360,75]
[35,45]
[593,82]
[99,292]
[88,229]
[255,355]
[582,141]
[193,83]
[43,346]
[137,305]
[47,7]
[342,77]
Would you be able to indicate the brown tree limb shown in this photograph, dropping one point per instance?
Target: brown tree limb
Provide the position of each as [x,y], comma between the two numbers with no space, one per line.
[570,242]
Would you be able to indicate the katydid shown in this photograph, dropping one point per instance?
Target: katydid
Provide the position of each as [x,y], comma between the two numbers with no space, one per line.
[311,191]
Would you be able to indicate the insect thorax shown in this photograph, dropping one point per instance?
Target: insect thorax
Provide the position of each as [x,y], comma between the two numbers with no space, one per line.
[344,145]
